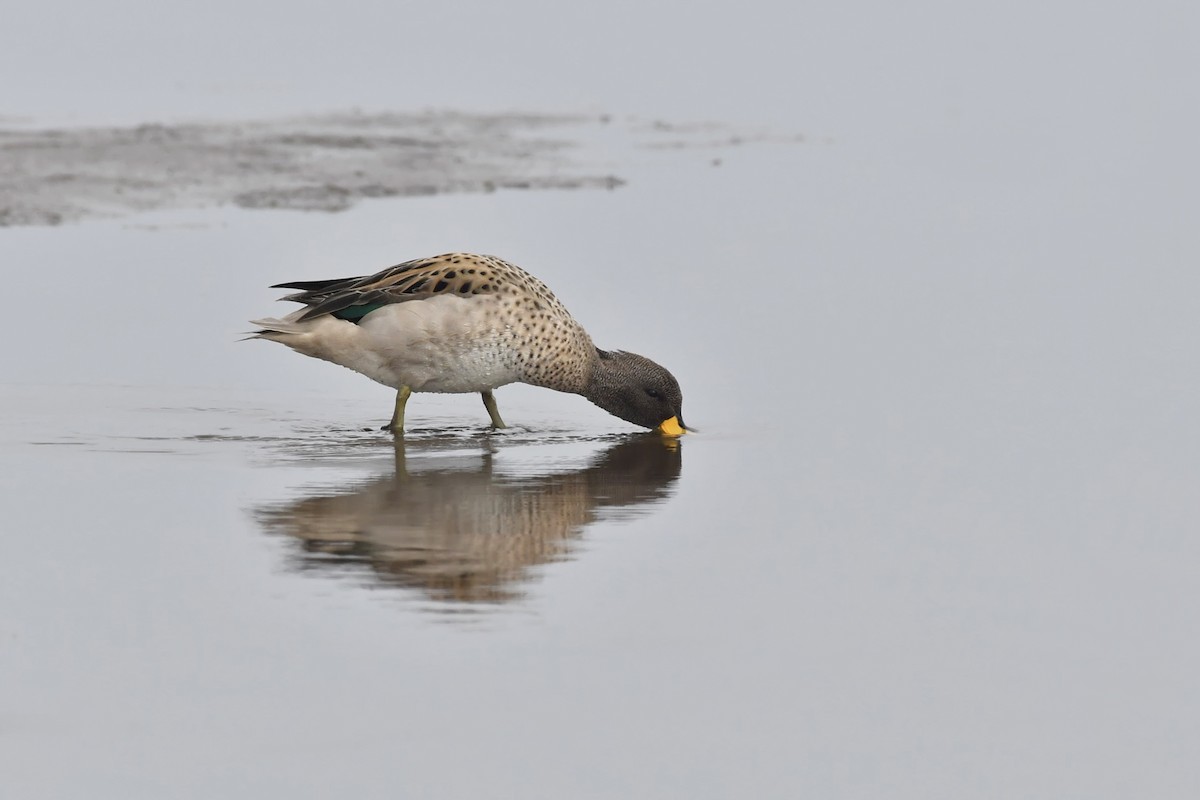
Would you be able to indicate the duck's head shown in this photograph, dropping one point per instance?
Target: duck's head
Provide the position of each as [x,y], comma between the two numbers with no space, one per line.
[637,390]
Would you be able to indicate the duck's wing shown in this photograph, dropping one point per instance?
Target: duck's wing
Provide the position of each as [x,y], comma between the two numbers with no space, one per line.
[354,298]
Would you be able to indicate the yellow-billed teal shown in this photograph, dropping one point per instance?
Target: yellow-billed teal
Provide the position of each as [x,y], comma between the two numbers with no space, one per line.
[468,323]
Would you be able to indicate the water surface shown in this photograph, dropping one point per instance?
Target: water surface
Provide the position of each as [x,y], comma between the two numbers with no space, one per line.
[936,535]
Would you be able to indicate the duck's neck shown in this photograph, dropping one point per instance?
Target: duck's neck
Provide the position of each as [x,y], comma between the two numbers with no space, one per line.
[568,365]
[601,384]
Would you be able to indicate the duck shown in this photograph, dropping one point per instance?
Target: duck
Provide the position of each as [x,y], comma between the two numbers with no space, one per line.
[466,323]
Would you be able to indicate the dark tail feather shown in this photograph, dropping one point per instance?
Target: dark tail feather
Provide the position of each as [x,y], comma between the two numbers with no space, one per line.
[314,286]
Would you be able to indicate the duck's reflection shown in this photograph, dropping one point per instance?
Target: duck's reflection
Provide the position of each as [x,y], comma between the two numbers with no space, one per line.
[470,532]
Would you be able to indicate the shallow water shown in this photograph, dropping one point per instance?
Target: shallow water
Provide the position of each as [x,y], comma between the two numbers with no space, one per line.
[935,538]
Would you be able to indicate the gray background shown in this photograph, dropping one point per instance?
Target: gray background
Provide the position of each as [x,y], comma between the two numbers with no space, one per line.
[936,538]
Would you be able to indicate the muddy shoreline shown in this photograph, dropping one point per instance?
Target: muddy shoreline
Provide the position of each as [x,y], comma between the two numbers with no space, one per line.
[315,163]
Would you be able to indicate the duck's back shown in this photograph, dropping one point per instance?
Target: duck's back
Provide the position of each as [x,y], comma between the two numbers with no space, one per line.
[451,323]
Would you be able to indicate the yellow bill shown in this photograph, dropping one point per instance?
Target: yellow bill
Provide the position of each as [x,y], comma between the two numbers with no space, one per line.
[671,427]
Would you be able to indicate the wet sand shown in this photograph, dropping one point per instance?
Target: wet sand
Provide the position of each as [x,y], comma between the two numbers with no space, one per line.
[318,163]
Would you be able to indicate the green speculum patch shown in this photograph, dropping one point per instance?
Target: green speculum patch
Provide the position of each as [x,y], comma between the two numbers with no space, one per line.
[356,313]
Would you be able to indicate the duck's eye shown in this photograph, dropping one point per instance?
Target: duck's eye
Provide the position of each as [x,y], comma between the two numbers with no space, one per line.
[654,393]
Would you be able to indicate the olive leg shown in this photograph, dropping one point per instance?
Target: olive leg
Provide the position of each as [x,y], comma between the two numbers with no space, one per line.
[397,423]
[489,402]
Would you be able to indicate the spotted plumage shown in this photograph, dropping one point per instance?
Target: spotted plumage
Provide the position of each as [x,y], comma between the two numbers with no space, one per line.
[468,323]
